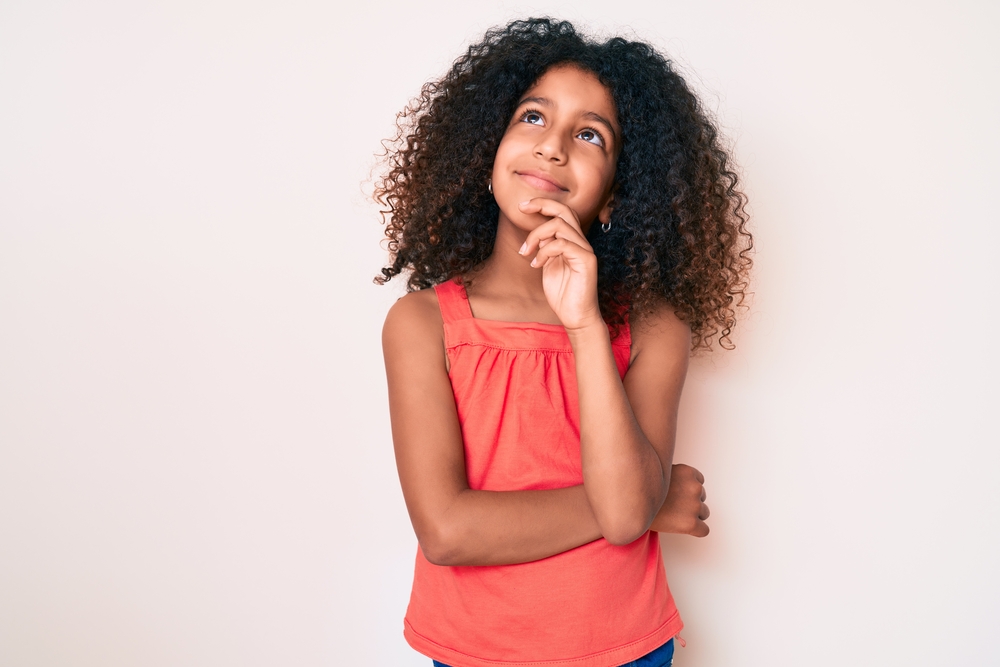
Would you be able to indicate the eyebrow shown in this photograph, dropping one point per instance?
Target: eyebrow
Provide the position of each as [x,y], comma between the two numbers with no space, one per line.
[596,117]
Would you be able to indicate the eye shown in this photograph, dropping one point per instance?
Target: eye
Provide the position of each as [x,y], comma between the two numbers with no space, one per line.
[591,136]
[533,117]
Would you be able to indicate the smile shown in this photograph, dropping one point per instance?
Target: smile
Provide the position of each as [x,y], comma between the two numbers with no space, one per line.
[541,181]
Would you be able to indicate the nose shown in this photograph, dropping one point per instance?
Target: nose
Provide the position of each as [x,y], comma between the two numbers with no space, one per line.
[551,147]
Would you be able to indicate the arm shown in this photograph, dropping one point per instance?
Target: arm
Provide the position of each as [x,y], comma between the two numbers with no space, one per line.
[661,344]
[627,428]
[456,525]
[459,526]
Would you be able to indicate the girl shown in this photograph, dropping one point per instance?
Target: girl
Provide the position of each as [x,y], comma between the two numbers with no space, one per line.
[570,205]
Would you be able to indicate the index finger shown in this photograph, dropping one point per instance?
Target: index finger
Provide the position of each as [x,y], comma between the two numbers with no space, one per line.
[553,209]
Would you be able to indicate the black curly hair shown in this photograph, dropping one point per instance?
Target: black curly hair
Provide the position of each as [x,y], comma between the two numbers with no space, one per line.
[679,226]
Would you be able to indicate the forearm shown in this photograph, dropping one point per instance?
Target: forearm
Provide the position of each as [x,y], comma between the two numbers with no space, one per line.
[506,527]
[625,480]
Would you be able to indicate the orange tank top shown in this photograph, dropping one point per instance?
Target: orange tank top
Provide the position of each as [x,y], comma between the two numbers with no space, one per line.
[598,605]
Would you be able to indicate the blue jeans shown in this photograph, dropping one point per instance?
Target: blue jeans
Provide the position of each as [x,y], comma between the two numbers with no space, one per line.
[661,657]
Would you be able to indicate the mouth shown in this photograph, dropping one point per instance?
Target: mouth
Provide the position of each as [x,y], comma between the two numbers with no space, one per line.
[541,181]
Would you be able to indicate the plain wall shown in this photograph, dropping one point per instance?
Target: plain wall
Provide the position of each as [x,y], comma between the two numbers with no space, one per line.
[195,460]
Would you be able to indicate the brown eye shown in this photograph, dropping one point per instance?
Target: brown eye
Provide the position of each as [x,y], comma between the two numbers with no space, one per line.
[532,117]
[591,137]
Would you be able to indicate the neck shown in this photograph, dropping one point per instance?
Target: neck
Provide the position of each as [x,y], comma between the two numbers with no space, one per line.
[508,271]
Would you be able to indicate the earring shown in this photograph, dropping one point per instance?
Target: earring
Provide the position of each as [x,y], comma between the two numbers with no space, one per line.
[489,185]
[606,226]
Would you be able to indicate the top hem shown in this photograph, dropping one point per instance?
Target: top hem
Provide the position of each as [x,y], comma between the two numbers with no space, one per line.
[609,658]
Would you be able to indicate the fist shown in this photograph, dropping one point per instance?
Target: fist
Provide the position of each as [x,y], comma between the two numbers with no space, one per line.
[684,511]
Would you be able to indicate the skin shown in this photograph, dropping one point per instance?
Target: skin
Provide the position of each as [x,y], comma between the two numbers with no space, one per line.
[553,177]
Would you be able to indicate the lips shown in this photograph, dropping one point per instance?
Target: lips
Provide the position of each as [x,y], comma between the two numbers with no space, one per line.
[541,181]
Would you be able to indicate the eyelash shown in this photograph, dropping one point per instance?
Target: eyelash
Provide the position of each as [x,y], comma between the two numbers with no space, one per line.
[528,112]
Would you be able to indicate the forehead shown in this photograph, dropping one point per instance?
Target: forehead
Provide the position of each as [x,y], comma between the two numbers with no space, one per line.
[575,89]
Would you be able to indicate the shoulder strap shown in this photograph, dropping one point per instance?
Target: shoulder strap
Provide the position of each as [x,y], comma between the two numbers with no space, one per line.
[453,301]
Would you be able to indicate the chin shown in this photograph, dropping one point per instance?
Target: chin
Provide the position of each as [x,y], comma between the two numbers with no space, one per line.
[524,222]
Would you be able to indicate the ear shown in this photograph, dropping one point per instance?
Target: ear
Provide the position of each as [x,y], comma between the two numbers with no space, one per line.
[604,216]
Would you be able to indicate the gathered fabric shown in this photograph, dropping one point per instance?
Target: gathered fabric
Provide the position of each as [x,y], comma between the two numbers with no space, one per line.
[598,605]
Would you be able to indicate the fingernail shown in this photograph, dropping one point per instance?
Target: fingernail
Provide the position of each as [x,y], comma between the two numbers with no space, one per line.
[524,247]
[525,203]
[533,261]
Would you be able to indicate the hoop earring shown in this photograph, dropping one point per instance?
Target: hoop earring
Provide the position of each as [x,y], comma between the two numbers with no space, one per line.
[605,227]
[489,185]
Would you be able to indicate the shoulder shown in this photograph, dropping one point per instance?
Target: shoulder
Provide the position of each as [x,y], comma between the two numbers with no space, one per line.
[415,313]
[659,333]
[414,325]
[415,308]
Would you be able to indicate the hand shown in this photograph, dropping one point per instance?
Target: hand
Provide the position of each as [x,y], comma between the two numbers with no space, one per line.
[684,511]
[568,263]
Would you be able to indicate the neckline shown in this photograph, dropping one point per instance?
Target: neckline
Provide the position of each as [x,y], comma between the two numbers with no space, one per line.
[465,295]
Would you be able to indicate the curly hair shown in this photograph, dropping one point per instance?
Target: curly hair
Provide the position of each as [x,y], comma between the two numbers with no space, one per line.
[679,225]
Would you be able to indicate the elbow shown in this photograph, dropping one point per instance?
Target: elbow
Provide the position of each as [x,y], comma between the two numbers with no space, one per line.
[445,535]
[624,533]
[439,546]
[625,517]
[437,555]
[627,523]
[624,527]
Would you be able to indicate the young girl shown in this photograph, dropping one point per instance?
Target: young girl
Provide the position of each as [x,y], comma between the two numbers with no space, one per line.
[570,205]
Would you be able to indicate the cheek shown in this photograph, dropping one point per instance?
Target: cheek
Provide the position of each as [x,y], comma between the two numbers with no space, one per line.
[599,184]
[502,158]
[504,187]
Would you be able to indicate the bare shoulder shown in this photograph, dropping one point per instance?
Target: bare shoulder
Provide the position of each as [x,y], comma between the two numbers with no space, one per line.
[660,333]
[416,309]
[413,325]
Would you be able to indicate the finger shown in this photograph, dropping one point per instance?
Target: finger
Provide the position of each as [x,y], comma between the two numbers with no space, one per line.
[553,209]
[704,512]
[700,529]
[566,250]
[571,252]
[698,476]
[552,229]
[704,496]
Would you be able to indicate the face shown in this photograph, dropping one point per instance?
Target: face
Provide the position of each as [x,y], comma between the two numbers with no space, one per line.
[561,144]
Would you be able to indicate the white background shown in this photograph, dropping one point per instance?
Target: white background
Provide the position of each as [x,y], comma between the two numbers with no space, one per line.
[195,462]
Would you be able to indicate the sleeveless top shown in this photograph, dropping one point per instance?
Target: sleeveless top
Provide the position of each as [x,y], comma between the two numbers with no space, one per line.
[597,605]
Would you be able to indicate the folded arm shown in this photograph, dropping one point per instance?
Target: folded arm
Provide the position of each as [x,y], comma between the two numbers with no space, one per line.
[627,427]
[456,525]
